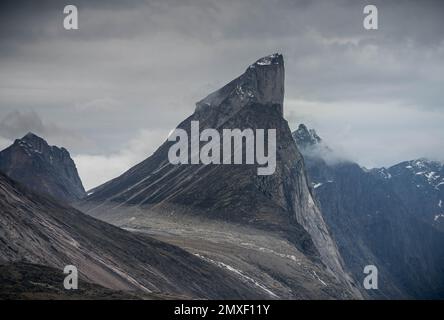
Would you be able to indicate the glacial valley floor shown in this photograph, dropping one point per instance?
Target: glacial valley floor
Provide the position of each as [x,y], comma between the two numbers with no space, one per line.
[261,259]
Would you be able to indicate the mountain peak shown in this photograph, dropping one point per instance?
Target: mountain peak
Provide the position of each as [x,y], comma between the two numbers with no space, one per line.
[272,59]
[42,168]
[305,137]
[35,143]
[262,83]
[32,138]
[30,135]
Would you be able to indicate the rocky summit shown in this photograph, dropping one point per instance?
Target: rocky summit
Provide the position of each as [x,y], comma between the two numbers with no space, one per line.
[306,138]
[42,168]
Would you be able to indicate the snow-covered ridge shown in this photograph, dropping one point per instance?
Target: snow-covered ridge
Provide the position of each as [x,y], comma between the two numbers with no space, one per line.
[430,171]
[421,171]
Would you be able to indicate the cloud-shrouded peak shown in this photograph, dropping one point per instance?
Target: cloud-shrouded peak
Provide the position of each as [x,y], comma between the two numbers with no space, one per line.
[312,146]
[305,137]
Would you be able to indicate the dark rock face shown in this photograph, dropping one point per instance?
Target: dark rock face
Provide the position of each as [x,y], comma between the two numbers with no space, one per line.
[37,230]
[373,224]
[420,185]
[305,138]
[281,201]
[262,83]
[42,168]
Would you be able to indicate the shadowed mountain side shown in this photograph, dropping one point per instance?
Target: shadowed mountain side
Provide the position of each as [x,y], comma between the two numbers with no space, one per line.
[38,230]
[42,168]
[373,225]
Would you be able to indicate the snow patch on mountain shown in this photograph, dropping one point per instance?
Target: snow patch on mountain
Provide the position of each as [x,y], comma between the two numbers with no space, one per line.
[238,272]
[317,185]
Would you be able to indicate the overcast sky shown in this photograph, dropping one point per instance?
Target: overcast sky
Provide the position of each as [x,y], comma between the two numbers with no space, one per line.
[111,91]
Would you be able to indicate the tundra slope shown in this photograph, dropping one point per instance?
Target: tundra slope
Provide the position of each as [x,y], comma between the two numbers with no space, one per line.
[38,230]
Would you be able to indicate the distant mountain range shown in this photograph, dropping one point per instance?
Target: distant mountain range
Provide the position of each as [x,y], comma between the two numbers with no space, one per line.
[386,217]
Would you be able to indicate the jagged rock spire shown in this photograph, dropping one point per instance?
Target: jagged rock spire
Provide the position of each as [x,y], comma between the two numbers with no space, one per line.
[305,137]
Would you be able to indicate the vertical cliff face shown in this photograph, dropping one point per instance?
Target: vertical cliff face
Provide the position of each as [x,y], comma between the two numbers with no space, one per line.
[262,83]
[281,201]
[42,168]
[378,218]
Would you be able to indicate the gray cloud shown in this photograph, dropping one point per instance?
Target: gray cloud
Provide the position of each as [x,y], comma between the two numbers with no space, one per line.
[140,67]
[16,124]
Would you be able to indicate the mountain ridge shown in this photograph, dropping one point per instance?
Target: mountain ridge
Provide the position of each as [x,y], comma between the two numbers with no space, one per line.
[375,221]
[42,168]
